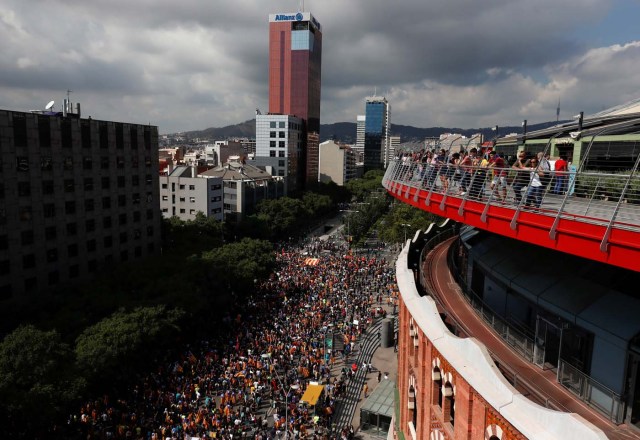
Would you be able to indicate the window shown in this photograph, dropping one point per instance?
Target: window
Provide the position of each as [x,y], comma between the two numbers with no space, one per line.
[122,200]
[148,179]
[281,173]
[90,225]
[28,261]
[104,162]
[149,231]
[52,255]
[70,207]
[135,180]
[119,162]
[272,144]
[54,277]
[26,237]
[272,134]
[134,162]
[50,233]
[192,199]
[121,182]
[49,210]
[106,222]
[182,211]
[44,131]
[192,187]
[69,185]
[85,134]
[136,216]
[89,205]
[281,163]
[281,124]
[67,163]
[124,255]
[74,271]
[123,237]
[272,153]
[192,211]
[106,202]
[24,189]
[30,284]
[25,213]
[5,267]
[72,229]
[281,144]
[133,138]
[183,199]
[149,214]
[165,198]
[46,163]
[87,163]
[47,187]
[91,245]
[137,234]
[136,198]
[147,162]
[105,183]
[104,135]
[182,187]
[122,219]
[164,186]
[281,153]
[22,163]
[72,250]
[281,134]
[107,242]
[92,266]
[4,242]
[272,124]
[88,183]
[19,130]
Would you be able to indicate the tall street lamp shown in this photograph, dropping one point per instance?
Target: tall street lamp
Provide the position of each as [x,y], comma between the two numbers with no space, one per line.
[405,225]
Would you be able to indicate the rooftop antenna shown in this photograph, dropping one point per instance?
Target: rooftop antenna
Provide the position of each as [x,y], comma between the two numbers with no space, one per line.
[558,111]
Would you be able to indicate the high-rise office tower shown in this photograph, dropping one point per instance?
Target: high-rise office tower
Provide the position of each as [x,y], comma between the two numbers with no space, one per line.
[376,132]
[360,133]
[295,58]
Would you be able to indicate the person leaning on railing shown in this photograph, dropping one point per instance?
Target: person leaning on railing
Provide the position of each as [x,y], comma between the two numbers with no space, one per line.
[536,187]
[561,167]
[521,179]
[466,165]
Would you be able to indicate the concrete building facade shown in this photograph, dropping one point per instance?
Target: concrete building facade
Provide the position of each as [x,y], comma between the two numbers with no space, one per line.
[337,163]
[76,195]
[184,193]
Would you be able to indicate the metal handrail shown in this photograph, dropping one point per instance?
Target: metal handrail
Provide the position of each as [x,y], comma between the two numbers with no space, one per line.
[586,199]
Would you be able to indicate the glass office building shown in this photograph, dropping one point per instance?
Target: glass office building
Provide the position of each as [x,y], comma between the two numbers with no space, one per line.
[376,132]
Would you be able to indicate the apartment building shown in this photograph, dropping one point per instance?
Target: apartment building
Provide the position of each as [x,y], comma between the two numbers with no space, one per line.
[76,195]
[184,193]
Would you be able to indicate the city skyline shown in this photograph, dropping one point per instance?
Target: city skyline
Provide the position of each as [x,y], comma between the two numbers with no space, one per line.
[189,66]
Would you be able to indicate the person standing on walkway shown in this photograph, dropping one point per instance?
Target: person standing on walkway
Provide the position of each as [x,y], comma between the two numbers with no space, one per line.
[379,376]
[366,390]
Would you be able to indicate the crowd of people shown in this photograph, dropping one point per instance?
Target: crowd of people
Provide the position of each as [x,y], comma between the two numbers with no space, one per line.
[248,381]
[472,172]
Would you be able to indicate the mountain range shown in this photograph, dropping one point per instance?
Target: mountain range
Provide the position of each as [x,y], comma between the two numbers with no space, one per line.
[346,131]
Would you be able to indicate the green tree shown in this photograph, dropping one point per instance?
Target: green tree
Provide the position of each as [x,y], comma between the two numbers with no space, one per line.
[118,345]
[38,379]
[235,266]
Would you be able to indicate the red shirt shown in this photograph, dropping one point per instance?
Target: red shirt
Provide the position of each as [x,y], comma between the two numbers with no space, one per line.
[561,165]
[497,163]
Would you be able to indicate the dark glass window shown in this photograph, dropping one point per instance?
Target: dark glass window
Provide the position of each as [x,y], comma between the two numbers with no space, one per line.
[46,163]
[120,162]
[49,210]
[91,245]
[104,135]
[85,134]
[121,181]
[147,138]
[123,237]
[44,131]
[89,205]
[74,270]
[88,183]
[119,137]
[122,219]
[90,225]
[24,189]
[87,163]
[72,229]
[65,133]
[50,233]
[135,180]
[19,130]
[122,200]
[133,137]
[106,222]
[104,162]
[106,202]
[22,163]
[26,237]
[70,207]
[106,183]
[69,185]
[67,163]
[47,187]
[52,255]
[72,250]
[107,242]
[28,261]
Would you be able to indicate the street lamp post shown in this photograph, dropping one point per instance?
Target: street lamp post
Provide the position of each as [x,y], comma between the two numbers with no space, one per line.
[405,225]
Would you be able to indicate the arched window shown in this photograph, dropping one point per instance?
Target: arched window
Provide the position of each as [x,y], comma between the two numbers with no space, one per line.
[436,390]
[448,405]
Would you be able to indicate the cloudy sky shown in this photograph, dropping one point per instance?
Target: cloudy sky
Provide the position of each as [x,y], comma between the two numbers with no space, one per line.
[192,64]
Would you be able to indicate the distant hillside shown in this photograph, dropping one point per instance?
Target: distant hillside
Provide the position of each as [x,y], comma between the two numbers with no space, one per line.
[346,131]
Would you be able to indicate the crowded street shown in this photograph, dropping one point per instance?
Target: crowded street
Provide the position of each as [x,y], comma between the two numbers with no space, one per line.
[299,328]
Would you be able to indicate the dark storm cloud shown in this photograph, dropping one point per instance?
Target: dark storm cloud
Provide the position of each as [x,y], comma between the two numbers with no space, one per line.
[195,63]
